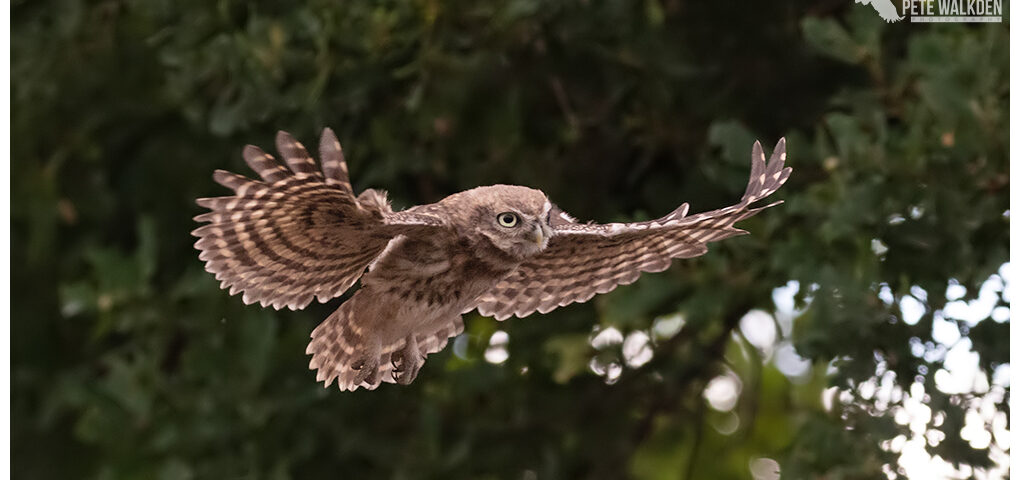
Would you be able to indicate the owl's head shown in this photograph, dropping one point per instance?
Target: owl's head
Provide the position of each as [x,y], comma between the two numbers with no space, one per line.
[513,219]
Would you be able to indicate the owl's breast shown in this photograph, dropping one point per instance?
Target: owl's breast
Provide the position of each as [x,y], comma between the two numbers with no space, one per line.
[437,273]
[423,286]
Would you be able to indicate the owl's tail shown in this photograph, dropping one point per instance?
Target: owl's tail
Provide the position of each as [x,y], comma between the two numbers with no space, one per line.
[339,342]
[347,347]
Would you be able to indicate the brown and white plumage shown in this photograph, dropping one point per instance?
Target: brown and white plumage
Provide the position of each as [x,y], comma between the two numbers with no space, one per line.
[301,233]
[583,260]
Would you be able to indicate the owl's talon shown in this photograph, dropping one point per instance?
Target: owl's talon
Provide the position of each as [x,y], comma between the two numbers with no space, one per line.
[407,362]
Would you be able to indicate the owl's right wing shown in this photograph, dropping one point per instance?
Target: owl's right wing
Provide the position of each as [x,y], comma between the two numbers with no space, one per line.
[300,233]
[583,260]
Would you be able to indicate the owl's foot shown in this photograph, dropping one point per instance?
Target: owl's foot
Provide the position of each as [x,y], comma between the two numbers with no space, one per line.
[407,361]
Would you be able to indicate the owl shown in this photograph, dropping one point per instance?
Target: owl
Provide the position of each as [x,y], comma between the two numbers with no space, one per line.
[301,233]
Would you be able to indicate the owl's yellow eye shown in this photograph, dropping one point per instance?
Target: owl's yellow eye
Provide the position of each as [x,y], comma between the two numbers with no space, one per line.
[507,219]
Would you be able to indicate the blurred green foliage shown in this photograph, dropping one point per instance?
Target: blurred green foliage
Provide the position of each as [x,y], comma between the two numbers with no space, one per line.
[129,362]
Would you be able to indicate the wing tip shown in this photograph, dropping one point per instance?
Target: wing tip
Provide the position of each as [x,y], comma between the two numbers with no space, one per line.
[250,150]
[766,175]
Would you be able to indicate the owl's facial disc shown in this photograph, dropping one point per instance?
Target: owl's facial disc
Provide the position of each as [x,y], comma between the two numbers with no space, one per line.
[511,218]
[518,233]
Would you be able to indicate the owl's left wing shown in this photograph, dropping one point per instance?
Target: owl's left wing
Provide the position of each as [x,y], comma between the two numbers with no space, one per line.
[300,232]
[583,260]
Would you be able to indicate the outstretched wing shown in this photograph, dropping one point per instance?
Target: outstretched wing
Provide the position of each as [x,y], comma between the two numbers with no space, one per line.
[582,260]
[300,232]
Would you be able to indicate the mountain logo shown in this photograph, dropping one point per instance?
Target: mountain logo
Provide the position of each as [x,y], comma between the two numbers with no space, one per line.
[885,9]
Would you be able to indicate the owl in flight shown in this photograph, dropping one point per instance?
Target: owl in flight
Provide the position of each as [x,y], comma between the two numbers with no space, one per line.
[302,233]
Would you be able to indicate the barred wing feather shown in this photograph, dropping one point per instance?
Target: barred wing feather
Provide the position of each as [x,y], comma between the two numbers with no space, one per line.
[583,260]
[299,233]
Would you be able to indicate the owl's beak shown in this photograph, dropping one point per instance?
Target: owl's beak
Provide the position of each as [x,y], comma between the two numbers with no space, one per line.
[538,235]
